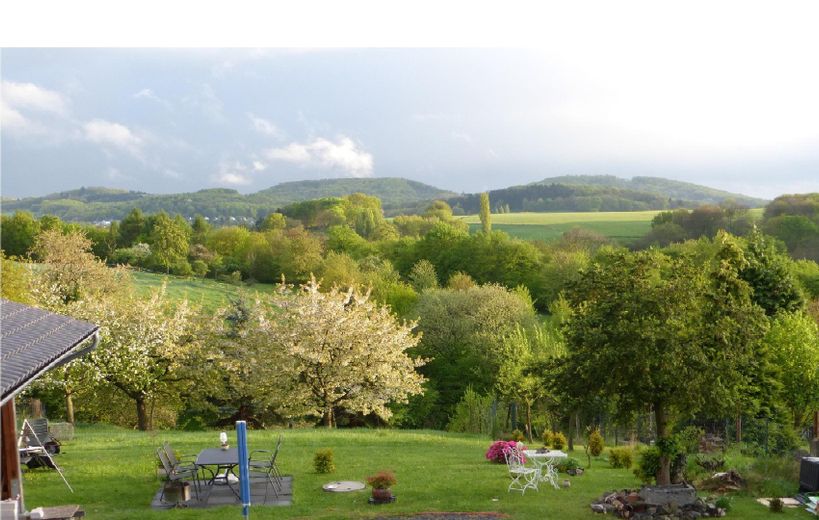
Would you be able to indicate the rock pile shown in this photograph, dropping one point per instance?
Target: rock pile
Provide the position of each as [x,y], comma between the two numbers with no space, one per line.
[675,502]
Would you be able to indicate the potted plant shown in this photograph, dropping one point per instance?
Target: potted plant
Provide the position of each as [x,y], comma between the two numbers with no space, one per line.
[381,483]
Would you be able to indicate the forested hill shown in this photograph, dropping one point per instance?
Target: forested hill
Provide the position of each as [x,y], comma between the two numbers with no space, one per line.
[394,192]
[677,190]
[600,193]
[570,193]
[93,204]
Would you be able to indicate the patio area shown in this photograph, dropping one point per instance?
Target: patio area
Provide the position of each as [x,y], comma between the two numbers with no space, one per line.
[221,495]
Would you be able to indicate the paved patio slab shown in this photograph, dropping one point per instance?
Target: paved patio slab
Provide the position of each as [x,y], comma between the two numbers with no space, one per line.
[221,495]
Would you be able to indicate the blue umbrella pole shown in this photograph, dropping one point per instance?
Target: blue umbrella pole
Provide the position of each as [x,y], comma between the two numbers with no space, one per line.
[244,474]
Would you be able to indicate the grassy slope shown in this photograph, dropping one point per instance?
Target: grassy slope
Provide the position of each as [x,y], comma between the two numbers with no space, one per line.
[210,294]
[113,474]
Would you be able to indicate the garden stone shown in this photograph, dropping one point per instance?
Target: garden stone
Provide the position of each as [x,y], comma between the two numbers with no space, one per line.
[598,508]
[680,494]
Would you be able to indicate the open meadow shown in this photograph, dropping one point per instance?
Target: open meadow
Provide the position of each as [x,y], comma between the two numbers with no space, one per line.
[113,472]
[622,226]
[210,294]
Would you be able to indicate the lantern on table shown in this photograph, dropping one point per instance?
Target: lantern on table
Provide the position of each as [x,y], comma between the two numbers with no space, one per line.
[223,439]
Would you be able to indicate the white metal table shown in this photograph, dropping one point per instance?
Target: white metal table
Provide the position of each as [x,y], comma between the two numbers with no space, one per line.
[545,461]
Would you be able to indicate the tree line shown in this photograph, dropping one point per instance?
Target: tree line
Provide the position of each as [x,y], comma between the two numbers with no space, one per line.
[564,332]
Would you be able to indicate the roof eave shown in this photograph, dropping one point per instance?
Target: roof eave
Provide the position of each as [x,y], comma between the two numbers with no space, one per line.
[69,355]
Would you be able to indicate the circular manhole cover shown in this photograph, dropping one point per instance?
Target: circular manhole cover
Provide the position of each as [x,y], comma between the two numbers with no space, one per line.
[343,486]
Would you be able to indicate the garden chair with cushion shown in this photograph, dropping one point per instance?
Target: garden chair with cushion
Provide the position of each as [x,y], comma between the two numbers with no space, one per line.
[263,462]
[523,477]
[177,474]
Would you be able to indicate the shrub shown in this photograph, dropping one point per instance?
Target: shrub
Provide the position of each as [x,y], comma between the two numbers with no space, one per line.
[620,457]
[776,505]
[724,502]
[496,451]
[558,441]
[648,463]
[564,465]
[548,436]
[323,461]
[472,413]
[596,442]
[518,436]
[711,463]
[688,439]
[382,480]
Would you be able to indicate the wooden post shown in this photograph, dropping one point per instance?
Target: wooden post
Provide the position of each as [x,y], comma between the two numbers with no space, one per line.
[10,464]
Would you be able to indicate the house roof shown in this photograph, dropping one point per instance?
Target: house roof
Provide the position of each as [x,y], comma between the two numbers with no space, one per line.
[33,341]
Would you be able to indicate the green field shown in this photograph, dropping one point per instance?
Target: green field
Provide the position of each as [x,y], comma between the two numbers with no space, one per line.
[622,226]
[210,294]
[113,473]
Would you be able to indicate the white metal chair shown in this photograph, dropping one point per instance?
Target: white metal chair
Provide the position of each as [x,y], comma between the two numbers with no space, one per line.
[523,477]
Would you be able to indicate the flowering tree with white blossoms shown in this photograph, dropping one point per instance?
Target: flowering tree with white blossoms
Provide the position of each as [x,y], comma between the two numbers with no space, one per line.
[338,349]
[148,348]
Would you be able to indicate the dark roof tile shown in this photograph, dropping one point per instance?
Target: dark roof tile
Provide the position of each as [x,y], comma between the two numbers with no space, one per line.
[31,340]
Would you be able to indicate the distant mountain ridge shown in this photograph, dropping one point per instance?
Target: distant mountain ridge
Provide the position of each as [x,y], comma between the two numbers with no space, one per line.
[667,187]
[99,203]
[398,195]
[600,193]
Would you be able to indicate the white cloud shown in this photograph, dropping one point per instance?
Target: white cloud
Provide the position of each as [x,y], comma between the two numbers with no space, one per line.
[234,174]
[113,134]
[259,166]
[14,121]
[265,127]
[148,93]
[32,97]
[344,155]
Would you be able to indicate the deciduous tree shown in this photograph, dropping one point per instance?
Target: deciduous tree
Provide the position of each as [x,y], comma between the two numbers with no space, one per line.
[337,349]
[651,331]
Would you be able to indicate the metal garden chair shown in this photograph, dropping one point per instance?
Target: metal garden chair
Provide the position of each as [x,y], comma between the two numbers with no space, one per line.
[177,474]
[180,461]
[266,466]
[523,477]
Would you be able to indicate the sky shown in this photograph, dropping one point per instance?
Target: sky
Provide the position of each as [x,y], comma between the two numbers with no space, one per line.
[728,106]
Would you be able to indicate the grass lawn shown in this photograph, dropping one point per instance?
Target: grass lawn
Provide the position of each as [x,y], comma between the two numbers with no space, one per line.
[210,294]
[113,474]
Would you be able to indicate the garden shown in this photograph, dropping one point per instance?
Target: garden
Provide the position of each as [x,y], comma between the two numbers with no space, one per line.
[113,472]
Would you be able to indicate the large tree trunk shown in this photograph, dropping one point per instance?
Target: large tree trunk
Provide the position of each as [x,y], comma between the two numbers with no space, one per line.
[143,423]
[661,418]
[572,418]
[328,416]
[36,408]
[69,405]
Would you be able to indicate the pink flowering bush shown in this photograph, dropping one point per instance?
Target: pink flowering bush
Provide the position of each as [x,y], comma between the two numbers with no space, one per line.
[495,453]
